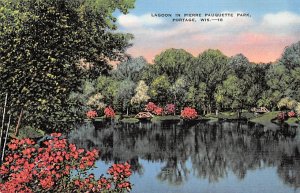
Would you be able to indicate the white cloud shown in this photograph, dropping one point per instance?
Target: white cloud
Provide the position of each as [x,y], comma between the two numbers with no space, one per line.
[281,19]
[133,21]
[153,34]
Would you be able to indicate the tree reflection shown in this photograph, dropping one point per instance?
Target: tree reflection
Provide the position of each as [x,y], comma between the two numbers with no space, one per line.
[213,149]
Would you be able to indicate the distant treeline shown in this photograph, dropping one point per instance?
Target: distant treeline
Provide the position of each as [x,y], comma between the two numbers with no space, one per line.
[211,81]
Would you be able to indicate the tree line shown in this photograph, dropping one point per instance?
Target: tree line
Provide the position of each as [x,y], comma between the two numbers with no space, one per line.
[208,82]
[55,60]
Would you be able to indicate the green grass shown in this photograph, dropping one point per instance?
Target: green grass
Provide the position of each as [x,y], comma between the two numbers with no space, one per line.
[166,118]
[265,119]
[292,121]
[130,120]
[211,117]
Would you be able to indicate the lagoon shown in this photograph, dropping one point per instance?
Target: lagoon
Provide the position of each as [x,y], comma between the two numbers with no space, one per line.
[208,157]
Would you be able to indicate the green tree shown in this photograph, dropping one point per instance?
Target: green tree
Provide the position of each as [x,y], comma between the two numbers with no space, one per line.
[125,93]
[278,81]
[178,90]
[291,56]
[41,45]
[109,88]
[173,63]
[159,89]
[130,69]
[232,93]
[210,68]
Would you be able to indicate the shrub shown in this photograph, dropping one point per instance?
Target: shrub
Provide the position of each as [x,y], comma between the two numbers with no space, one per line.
[150,107]
[291,114]
[170,109]
[158,111]
[189,113]
[91,114]
[153,108]
[109,112]
[57,166]
[282,116]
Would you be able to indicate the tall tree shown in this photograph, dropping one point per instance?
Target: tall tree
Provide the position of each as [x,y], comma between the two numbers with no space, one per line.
[291,56]
[232,93]
[178,90]
[159,89]
[173,63]
[41,45]
[130,69]
[125,93]
[211,68]
[141,94]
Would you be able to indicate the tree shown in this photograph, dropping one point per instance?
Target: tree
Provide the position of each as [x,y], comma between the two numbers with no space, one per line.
[130,69]
[173,63]
[291,56]
[108,87]
[232,93]
[287,103]
[159,89]
[41,45]
[239,65]
[125,93]
[211,68]
[141,94]
[178,89]
[278,82]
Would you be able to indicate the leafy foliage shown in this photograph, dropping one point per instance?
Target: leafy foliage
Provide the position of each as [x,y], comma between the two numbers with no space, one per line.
[42,44]
[57,166]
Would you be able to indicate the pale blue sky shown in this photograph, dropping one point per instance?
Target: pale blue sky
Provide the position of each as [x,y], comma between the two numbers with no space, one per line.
[273,25]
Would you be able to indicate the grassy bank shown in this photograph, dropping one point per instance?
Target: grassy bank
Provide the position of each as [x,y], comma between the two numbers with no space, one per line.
[166,118]
[130,120]
[292,121]
[230,115]
[265,119]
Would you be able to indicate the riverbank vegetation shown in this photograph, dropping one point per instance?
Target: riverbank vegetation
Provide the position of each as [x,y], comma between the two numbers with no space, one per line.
[60,74]
[56,69]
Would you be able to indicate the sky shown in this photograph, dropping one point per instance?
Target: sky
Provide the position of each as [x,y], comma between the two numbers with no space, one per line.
[262,37]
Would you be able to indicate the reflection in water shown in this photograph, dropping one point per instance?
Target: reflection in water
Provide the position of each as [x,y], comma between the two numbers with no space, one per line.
[214,149]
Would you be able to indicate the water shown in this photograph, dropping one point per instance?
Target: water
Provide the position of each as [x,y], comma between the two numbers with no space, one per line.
[204,157]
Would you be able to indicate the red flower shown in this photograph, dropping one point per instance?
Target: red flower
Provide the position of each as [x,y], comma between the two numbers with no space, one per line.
[91,114]
[150,107]
[109,112]
[189,113]
[158,111]
[170,109]
[28,168]
[291,114]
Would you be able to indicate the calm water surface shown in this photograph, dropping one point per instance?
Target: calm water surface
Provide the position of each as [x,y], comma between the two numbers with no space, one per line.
[219,157]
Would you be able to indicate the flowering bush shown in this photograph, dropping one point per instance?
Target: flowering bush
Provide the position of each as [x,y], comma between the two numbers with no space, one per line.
[282,116]
[109,112]
[56,166]
[189,113]
[91,114]
[153,108]
[170,109]
[158,111]
[150,107]
[291,114]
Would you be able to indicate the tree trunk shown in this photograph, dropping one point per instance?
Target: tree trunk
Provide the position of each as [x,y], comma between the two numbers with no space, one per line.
[19,123]
[127,111]
[175,104]
[239,113]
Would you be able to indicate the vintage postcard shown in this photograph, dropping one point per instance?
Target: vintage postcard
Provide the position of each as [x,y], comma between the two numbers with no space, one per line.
[150,96]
